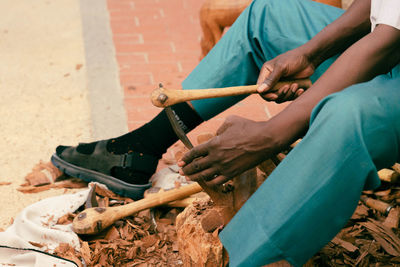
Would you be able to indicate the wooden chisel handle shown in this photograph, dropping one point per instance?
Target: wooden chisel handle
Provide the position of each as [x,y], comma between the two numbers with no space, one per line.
[163,97]
[94,220]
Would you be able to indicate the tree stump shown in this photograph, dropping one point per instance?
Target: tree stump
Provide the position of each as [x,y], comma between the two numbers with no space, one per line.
[198,225]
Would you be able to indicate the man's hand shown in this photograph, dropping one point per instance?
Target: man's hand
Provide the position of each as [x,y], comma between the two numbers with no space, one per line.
[293,64]
[240,144]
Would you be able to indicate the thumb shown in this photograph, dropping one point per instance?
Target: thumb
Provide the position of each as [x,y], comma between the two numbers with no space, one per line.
[270,80]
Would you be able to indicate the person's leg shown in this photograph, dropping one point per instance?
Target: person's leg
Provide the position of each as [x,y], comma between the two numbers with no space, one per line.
[315,189]
[264,30]
[126,163]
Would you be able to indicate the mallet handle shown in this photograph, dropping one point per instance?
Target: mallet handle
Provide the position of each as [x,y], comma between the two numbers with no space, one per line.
[94,220]
[163,97]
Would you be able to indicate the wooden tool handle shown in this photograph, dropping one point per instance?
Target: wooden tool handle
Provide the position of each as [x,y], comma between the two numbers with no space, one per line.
[163,97]
[94,220]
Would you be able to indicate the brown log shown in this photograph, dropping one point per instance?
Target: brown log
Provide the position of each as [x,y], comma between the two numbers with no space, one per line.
[198,247]
[198,225]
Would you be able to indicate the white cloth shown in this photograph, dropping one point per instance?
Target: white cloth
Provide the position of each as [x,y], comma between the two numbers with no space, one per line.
[385,12]
[37,223]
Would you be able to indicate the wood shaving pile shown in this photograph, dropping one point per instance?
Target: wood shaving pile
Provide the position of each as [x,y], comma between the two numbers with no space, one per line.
[370,238]
[133,241]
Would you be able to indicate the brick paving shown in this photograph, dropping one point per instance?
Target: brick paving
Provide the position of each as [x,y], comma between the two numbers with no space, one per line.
[158,41]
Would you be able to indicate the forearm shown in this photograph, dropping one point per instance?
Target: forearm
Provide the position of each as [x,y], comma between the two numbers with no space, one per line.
[340,34]
[374,54]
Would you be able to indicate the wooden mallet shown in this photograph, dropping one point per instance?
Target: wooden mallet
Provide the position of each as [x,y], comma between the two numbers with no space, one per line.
[94,220]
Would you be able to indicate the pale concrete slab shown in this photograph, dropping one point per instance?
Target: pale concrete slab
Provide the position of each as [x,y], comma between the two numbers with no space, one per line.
[45,87]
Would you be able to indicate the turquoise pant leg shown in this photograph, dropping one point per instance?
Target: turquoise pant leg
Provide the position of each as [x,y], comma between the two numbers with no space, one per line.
[264,30]
[314,191]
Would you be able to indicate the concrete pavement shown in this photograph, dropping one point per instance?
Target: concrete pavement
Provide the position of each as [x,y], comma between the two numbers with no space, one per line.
[53,91]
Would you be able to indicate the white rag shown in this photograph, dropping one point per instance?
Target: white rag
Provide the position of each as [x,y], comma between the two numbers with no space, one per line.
[37,223]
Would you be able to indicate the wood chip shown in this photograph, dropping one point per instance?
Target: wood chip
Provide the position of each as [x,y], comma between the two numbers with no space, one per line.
[347,245]
[42,173]
[396,167]
[70,183]
[39,245]
[66,219]
[392,220]
[388,175]
[101,191]
[86,253]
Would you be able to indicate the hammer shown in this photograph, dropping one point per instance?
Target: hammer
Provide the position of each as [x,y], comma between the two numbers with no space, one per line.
[221,195]
[163,97]
[94,220]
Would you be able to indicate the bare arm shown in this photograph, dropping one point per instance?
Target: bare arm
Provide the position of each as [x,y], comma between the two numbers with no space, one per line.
[375,54]
[302,61]
[340,34]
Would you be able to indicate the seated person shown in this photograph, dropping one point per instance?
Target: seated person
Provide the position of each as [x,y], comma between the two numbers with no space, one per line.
[349,121]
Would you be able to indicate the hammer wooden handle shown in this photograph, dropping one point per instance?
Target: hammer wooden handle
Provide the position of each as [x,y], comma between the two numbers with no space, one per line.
[94,220]
[163,97]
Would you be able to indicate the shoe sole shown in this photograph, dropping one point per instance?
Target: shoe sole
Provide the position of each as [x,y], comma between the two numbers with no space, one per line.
[117,186]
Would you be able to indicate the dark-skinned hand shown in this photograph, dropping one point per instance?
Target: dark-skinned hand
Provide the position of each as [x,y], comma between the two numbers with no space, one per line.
[240,144]
[294,64]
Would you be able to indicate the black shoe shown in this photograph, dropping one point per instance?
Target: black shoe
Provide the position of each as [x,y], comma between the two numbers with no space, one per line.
[114,170]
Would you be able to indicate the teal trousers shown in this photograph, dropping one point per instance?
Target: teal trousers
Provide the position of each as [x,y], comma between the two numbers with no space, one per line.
[310,196]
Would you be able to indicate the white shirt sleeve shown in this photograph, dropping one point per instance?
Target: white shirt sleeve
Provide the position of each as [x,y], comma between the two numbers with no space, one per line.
[385,12]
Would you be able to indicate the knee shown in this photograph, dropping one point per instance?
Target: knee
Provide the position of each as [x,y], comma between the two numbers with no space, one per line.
[350,106]
[362,120]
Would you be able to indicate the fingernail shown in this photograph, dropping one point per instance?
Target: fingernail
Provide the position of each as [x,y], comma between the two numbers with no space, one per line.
[181,163]
[286,90]
[273,97]
[262,87]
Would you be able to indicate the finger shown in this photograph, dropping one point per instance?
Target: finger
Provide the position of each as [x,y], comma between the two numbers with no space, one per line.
[271,80]
[196,152]
[220,179]
[299,92]
[270,96]
[197,165]
[204,175]
[284,89]
[294,87]
[291,92]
